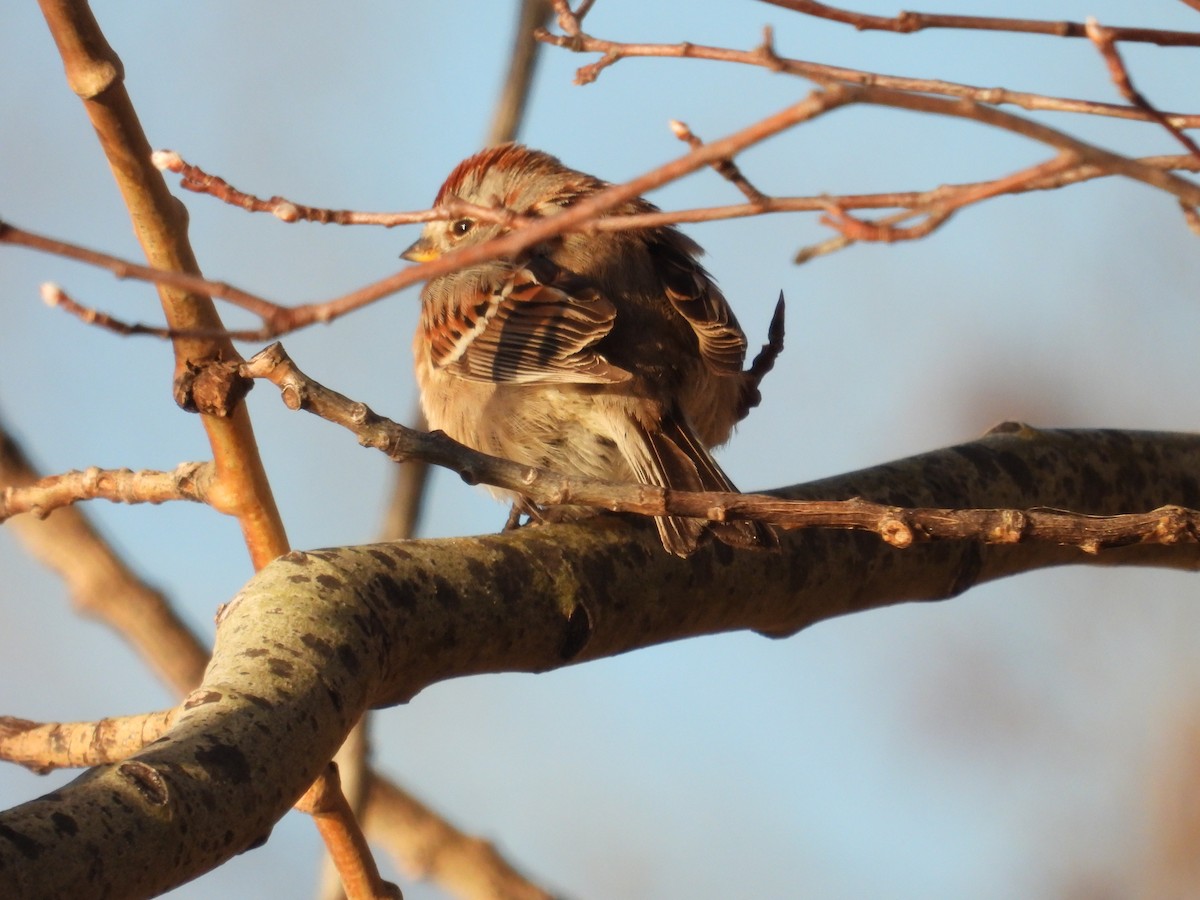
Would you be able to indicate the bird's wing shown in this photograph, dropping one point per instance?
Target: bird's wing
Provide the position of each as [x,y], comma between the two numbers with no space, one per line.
[538,324]
[694,295]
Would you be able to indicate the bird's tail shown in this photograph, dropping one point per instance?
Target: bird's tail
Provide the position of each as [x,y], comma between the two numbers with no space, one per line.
[673,457]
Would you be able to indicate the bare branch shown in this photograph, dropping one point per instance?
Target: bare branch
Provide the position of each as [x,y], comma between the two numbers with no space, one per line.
[45,746]
[429,847]
[121,268]
[951,196]
[726,168]
[95,73]
[911,22]
[196,179]
[935,203]
[897,526]
[1105,41]
[522,63]
[188,481]
[765,56]
[344,840]
[101,584]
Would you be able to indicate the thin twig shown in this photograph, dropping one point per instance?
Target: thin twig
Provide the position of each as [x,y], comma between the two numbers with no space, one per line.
[726,168]
[937,214]
[1105,41]
[344,839]
[910,22]
[765,56]
[45,746]
[189,481]
[854,229]
[102,586]
[919,203]
[123,268]
[56,298]
[197,180]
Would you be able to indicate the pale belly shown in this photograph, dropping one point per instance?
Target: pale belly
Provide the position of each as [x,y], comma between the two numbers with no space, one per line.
[570,429]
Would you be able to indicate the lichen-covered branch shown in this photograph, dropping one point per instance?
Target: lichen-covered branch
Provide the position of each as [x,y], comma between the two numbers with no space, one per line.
[374,625]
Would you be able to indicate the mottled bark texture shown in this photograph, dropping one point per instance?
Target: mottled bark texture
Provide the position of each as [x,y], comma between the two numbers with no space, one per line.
[316,638]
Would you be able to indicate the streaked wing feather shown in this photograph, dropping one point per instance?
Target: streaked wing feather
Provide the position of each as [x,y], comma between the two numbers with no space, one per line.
[693,293]
[539,325]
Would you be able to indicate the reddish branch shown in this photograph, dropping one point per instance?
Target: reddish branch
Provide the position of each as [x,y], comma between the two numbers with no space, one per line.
[938,213]
[936,204]
[193,178]
[765,56]
[280,319]
[1105,41]
[843,87]
[344,840]
[909,22]
[726,168]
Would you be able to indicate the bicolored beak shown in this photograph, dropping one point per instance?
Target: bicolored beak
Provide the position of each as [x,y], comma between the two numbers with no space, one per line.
[421,250]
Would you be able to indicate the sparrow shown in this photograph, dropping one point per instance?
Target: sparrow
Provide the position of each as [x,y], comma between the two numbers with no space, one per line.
[609,354]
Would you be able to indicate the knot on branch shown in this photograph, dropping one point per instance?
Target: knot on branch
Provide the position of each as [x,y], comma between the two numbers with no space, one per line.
[1175,524]
[148,782]
[1010,526]
[895,530]
[211,387]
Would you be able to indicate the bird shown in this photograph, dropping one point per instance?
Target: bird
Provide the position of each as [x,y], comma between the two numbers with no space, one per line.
[605,354]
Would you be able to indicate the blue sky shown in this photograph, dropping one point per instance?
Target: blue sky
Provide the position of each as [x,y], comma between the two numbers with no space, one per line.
[1005,744]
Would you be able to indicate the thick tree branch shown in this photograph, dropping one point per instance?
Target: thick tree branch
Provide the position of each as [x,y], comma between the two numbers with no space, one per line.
[105,588]
[374,625]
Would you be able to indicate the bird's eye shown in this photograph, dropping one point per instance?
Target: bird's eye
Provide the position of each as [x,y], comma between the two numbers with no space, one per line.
[461,227]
